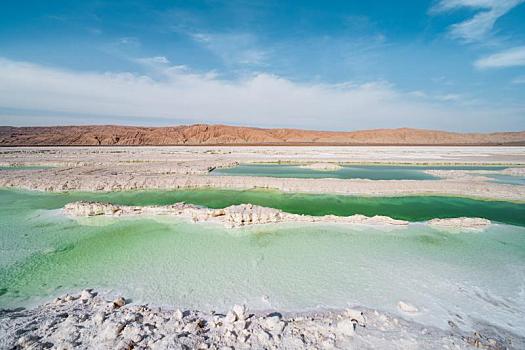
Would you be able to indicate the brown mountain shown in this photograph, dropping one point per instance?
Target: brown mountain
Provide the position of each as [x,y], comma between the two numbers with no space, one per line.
[201,134]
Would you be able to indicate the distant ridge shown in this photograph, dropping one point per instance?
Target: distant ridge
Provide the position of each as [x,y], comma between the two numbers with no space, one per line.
[202,134]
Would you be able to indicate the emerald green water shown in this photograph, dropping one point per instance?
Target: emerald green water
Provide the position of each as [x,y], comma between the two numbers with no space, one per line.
[287,267]
[372,172]
[415,208]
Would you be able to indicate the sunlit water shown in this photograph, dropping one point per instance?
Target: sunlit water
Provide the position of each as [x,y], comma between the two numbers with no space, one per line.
[372,172]
[478,276]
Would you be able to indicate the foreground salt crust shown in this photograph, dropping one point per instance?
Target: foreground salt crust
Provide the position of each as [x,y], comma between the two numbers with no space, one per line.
[232,216]
[92,321]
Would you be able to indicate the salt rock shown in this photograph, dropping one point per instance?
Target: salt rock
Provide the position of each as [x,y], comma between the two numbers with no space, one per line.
[86,295]
[191,327]
[407,308]
[27,340]
[356,316]
[240,325]
[178,314]
[263,336]
[240,311]
[230,317]
[274,324]
[124,344]
[243,336]
[99,317]
[69,298]
[119,302]
[346,328]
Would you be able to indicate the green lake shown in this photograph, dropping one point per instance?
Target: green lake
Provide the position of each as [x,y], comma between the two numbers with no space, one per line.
[473,275]
[413,208]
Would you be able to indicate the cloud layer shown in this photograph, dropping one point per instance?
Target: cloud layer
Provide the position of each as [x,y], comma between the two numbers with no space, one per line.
[259,100]
[513,57]
[477,27]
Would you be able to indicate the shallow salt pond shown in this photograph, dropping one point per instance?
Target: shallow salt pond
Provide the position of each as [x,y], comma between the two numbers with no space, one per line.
[507,179]
[372,172]
[472,275]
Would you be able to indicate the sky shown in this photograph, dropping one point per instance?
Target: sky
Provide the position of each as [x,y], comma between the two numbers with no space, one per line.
[455,65]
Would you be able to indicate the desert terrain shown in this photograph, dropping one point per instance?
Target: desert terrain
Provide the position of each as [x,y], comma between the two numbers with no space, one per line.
[202,134]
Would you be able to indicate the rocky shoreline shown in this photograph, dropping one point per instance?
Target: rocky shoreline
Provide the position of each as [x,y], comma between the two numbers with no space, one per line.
[90,320]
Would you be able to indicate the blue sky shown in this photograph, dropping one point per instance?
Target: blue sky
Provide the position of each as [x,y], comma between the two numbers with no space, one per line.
[335,65]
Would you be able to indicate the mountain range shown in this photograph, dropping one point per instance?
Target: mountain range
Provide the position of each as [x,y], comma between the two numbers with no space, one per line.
[203,134]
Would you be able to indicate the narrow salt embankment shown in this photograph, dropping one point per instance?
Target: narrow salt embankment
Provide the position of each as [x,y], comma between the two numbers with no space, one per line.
[322,166]
[248,214]
[89,320]
[474,174]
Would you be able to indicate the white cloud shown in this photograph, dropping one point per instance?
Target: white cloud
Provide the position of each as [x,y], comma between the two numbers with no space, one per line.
[153,61]
[233,48]
[449,97]
[482,23]
[131,41]
[509,58]
[259,100]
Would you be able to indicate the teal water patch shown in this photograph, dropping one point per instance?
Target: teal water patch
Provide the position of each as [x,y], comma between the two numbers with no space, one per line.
[29,167]
[371,172]
[413,208]
[508,179]
[284,267]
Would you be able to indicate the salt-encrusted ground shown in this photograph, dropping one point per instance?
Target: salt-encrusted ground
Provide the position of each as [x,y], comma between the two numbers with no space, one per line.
[131,168]
[100,322]
[92,321]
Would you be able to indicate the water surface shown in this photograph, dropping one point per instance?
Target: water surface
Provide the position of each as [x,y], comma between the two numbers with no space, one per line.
[507,179]
[371,172]
[286,267]
[413,208]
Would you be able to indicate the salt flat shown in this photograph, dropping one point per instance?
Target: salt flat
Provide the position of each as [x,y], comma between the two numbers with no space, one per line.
[355,154]
[420,283]
[132,168]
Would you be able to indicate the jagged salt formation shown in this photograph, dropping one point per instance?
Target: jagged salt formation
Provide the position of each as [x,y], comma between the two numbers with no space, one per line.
[461,223]
[93,321]
[248,214]
[232,216]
